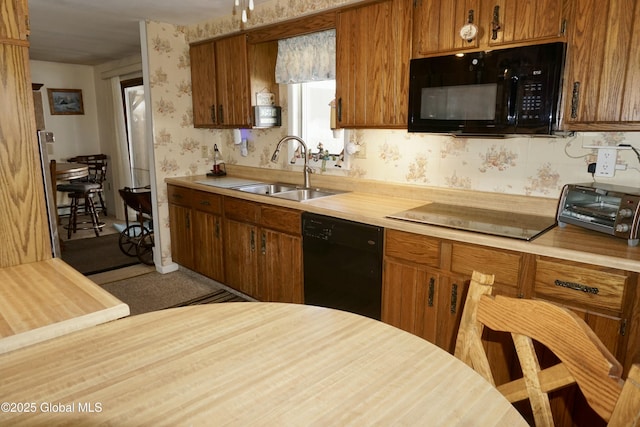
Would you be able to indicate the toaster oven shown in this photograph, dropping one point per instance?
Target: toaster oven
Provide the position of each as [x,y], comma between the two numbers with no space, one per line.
[610,209]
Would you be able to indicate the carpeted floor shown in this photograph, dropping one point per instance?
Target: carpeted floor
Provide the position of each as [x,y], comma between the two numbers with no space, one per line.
[96,254]
[156,291]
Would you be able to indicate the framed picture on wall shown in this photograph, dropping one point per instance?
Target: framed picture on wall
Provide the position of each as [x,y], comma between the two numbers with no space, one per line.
[65,101]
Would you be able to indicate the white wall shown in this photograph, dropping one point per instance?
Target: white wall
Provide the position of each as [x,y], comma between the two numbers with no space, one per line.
[75,134]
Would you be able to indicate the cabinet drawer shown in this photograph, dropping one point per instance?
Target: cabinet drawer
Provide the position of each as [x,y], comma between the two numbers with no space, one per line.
[179,195]
[207,202]
[281,219]
[412,247]
[578,285]
[241,210]
[504,265]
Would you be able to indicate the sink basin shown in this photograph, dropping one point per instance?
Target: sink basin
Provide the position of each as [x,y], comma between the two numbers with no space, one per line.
[302,194]
[267,189]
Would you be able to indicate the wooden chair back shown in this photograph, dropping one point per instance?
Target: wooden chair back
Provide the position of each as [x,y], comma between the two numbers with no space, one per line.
[584,360]
[97,164]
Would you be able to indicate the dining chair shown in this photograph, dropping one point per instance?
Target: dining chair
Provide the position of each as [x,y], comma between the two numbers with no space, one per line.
[80,190]
[584,360]
[97,164]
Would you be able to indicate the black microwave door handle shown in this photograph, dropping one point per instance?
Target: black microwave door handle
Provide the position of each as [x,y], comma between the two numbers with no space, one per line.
[513,98]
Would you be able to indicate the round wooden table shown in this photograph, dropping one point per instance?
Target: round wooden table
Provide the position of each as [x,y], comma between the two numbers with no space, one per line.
[69,171]
[245,363]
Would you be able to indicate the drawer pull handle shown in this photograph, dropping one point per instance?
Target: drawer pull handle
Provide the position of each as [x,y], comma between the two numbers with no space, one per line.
[577,287]
[432,282]
[205,203]
[454,298]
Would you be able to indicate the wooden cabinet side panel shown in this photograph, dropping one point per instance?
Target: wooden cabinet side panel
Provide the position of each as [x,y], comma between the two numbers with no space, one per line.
[23,224]
[262,63]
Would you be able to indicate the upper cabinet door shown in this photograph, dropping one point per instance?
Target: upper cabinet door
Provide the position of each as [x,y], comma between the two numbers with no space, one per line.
[220,83]
[445,26]
[372,65]
[437,25]
[203,84]
[232,68]
[515,21]
[602,84]
[14,22]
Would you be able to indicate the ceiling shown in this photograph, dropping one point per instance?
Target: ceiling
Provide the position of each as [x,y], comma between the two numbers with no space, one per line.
[92,32]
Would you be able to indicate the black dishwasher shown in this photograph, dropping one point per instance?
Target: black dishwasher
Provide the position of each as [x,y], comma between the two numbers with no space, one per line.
[342,264]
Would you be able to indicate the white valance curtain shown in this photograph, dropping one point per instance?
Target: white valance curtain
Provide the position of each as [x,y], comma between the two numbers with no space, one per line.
[307,58]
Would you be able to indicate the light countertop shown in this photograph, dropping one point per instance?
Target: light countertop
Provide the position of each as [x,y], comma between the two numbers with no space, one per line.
[569,243]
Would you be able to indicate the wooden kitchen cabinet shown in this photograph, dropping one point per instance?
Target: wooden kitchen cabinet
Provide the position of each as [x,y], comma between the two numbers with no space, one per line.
[601,297]
[424,287]
[208,248]
[373,49]
[437,24]
[181,229]
[220,83]
[196,231]
[596,294]
[602,83]
[425,281]
[264,258]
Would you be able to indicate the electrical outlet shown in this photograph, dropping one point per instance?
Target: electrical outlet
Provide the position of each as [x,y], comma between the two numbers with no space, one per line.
[606,163]
[204,151]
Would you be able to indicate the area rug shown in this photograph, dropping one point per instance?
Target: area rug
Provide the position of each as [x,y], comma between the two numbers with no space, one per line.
[220,295]
[155,291]
[96,254]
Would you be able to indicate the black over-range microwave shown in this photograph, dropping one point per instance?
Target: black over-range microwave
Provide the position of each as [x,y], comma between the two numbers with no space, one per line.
[498,92]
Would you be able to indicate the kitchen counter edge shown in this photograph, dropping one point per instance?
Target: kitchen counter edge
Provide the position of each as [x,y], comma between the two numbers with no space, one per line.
[568,243]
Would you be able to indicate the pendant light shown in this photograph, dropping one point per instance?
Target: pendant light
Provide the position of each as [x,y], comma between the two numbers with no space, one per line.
[245,6]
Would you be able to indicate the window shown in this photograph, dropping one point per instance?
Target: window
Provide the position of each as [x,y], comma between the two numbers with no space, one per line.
[310,113]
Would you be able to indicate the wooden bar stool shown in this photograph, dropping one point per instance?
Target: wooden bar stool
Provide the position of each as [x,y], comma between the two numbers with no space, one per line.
[82,192]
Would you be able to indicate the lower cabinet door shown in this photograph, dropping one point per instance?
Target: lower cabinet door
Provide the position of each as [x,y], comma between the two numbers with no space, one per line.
[241,257]
[208,248]
[281,266]
[181,232]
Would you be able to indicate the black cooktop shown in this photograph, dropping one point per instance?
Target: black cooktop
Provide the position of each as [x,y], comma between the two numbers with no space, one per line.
[487,221]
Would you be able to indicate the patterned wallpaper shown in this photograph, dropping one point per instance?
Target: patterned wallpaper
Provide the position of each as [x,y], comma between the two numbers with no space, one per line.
[525,166]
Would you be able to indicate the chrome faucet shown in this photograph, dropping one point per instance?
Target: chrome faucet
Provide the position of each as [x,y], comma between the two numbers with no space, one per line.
[306,168]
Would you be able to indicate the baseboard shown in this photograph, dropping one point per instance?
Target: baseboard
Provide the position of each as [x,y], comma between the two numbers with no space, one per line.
[164,269]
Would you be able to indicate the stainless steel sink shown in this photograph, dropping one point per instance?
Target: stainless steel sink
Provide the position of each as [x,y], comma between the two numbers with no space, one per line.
[303,194]
[286,191]
[267,189]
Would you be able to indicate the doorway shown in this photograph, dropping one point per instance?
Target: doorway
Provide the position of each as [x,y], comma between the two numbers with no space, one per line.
[135,121]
